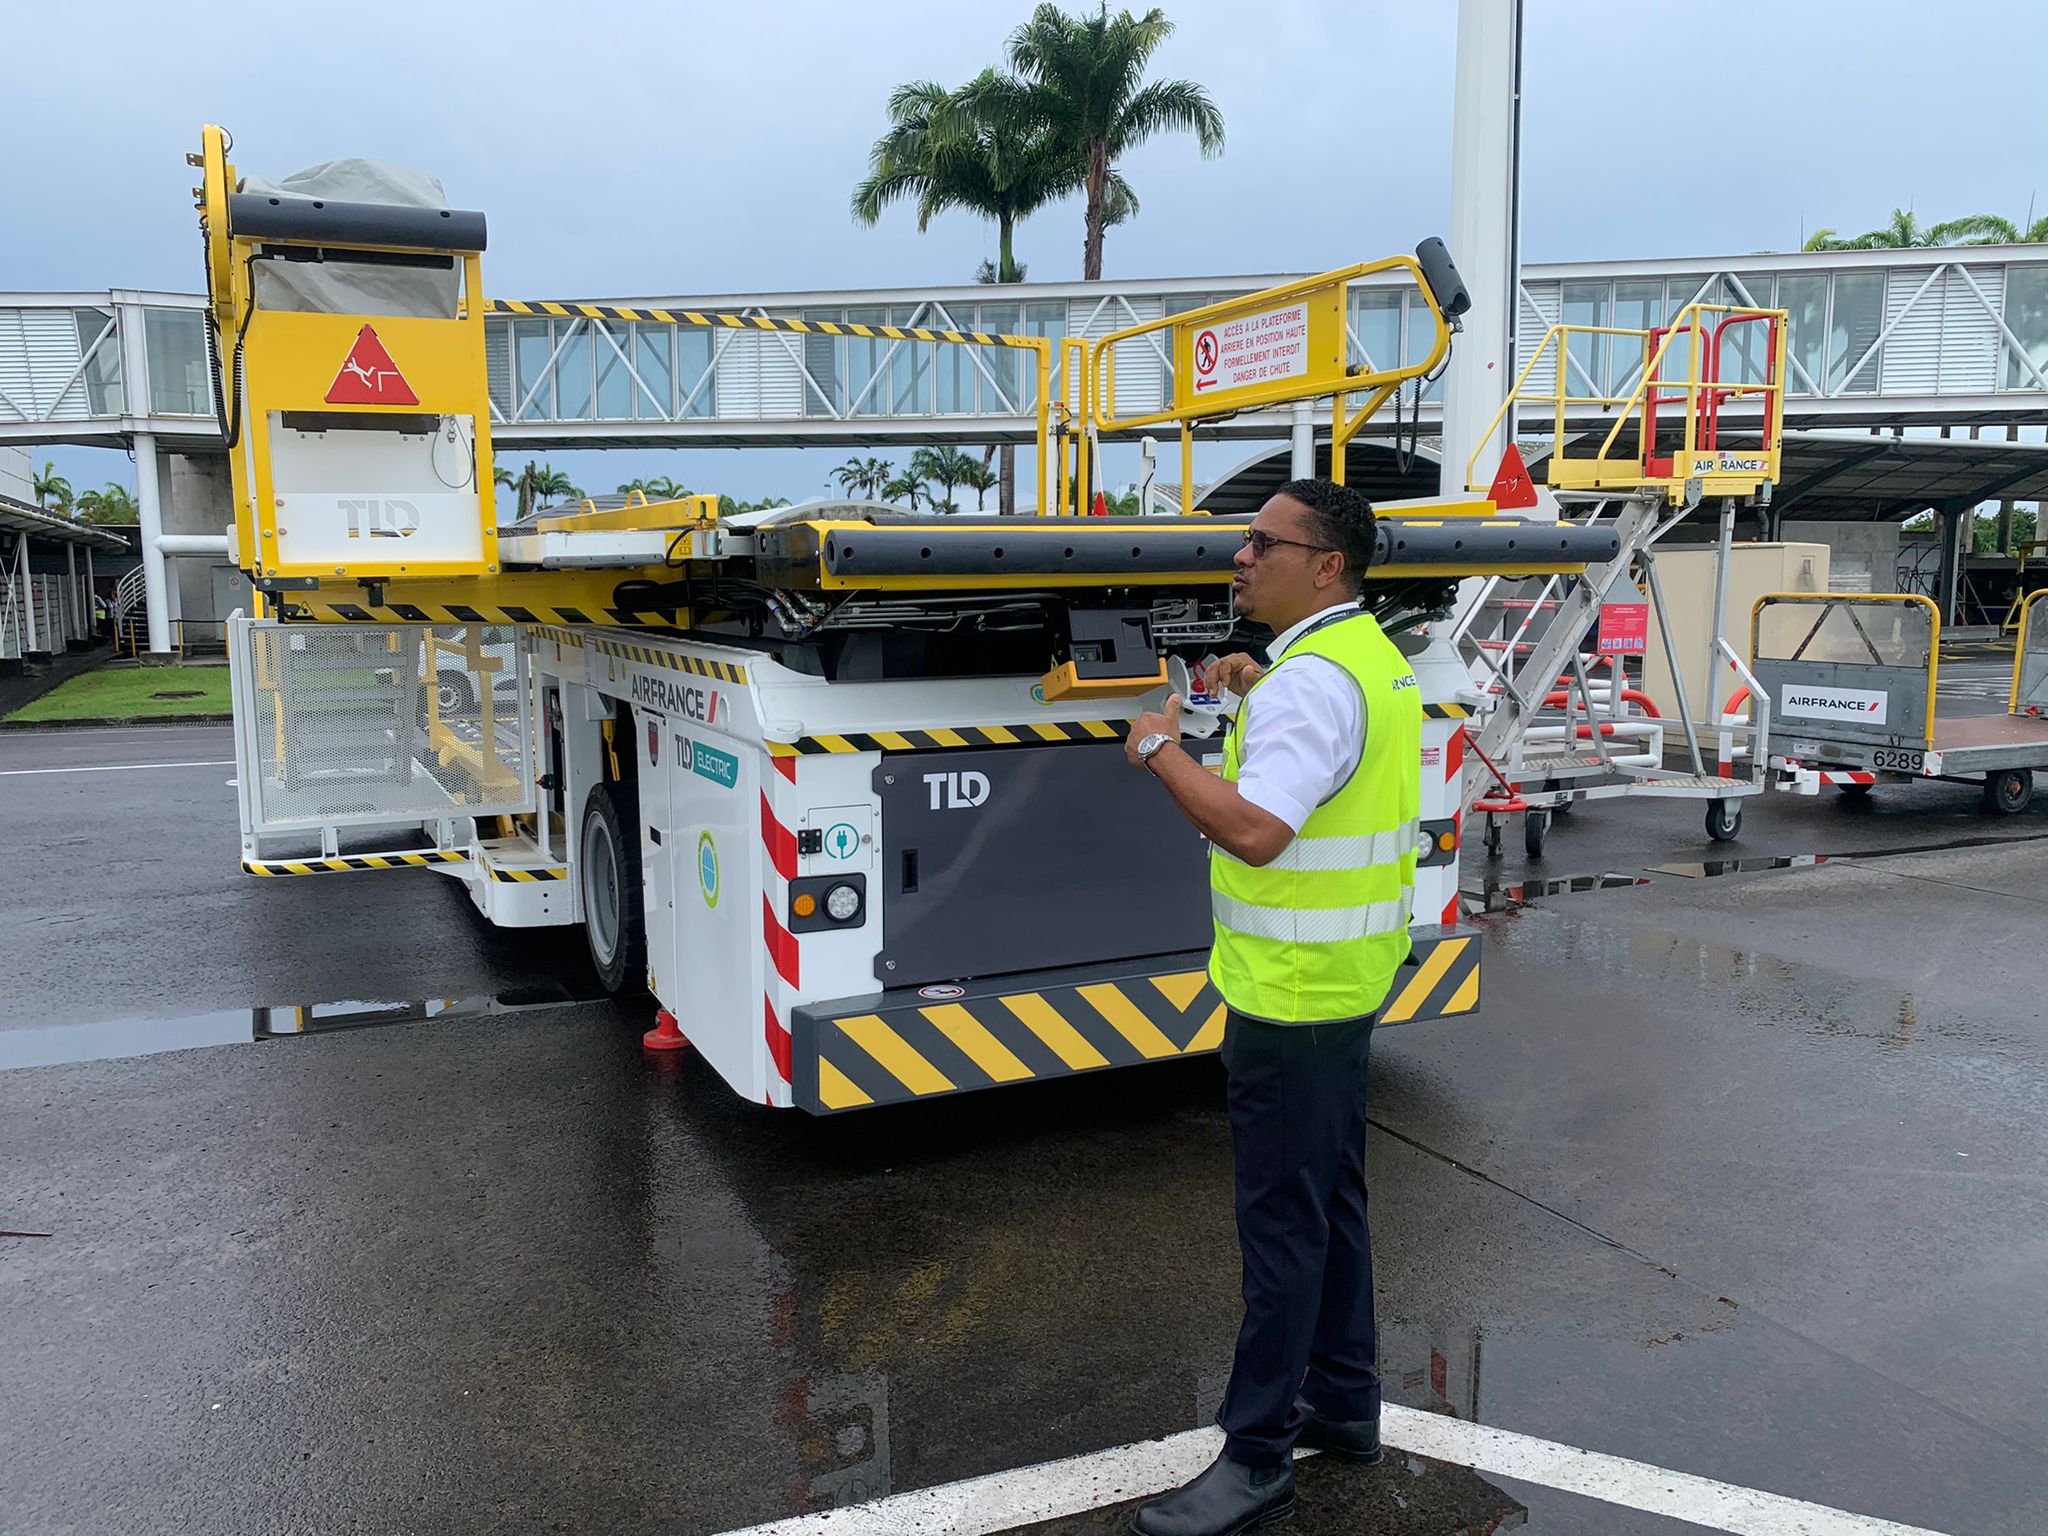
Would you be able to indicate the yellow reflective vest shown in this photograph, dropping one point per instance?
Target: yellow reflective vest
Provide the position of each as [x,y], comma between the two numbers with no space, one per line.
[1317,934]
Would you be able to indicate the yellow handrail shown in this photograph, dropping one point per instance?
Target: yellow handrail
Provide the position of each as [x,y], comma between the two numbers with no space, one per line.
[1699,383]
[2019,650]
[1337,382]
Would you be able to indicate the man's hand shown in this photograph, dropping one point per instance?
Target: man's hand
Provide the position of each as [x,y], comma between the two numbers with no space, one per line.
[1234,674]
[1153,724]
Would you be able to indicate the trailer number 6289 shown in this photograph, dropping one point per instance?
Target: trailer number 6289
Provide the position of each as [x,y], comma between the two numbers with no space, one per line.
[1898,760]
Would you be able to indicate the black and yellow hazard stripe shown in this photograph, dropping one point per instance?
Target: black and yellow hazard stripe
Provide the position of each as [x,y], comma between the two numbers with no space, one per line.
[1445,712]
[315,606]
[1038,733]
[526,876]
[726,320]
[918,1047]
[654,656]
[350,863]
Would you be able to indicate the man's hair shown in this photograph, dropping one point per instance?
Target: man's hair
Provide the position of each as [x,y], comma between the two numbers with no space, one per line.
[1339,518]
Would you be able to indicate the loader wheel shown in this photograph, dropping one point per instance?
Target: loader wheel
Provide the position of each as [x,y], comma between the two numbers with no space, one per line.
[608,873]
[2009,792]
[1724,820]
[1534,825]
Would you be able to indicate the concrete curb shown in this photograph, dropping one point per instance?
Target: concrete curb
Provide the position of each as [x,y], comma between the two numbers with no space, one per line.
[109,723]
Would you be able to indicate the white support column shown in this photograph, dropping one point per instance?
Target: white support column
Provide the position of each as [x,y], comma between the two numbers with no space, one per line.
[34,641]
[155,572]
[92,600]
[1484,239]
[73,622]
[1301,464]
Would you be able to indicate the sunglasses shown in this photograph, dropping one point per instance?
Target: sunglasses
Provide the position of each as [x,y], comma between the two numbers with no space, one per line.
[1260,542]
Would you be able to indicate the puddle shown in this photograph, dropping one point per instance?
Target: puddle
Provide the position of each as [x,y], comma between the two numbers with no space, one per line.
[111,1039]
[1513,895]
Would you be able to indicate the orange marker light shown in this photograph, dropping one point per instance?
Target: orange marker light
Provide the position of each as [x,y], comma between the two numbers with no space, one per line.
[805,905]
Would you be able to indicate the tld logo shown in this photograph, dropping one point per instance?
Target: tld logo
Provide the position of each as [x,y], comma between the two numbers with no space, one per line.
[957,791]
[376,517]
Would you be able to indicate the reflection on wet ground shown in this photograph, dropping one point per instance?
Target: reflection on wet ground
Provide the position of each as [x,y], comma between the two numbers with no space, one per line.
[1498,892]
[54,1044]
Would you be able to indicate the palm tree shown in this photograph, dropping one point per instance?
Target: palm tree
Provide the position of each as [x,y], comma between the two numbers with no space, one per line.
[864,477]
[1079,80]
[114,504]
[979,479]
[51,486]
[949,467]
[942,151]
[664,488]
[1905,232]
[549,484]
[905,489]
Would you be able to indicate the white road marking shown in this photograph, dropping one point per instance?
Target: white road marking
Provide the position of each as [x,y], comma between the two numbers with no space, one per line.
[981,1505]
[15,773]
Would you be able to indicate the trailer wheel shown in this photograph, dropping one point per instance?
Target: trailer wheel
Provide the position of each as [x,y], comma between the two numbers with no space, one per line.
[1724,820]
[608,873]
[1535,824]
[2010,791]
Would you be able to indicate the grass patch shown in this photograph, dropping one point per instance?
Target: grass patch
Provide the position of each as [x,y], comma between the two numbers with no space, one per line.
[125,693]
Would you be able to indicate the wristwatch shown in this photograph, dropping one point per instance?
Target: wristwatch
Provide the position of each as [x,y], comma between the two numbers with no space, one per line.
[1149,747]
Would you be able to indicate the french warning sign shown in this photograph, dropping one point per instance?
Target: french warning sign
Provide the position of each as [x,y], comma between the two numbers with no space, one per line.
[1251,349]
[369,377]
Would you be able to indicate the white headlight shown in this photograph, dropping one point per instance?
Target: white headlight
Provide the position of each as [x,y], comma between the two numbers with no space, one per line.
[841,902]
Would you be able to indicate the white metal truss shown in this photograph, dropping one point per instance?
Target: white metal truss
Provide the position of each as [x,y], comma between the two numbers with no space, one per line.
[1946,309]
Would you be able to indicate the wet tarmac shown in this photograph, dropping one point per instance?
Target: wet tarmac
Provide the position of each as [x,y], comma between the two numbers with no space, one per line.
[1740,1176]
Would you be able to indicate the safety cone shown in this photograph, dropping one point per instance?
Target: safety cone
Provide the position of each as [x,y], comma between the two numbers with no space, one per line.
[664,1036]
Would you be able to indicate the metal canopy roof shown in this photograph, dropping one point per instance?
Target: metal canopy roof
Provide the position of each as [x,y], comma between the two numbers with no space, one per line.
[1828,476]
[19,517]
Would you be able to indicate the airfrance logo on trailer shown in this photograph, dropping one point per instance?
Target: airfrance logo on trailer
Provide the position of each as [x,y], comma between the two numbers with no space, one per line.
[690,700]
[1860,706]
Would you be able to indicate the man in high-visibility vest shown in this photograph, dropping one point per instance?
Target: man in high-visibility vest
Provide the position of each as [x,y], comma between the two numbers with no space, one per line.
[1312,825]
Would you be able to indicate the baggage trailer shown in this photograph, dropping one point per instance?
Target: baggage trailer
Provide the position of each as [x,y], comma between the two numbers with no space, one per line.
[1854,681]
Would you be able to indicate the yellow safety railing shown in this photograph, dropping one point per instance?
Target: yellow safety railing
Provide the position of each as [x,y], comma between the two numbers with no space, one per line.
[492,777]
[1702,391]
[2019,651]
[1276,347]
[1848,602]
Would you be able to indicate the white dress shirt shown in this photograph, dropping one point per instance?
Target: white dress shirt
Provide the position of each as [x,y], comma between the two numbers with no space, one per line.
[1307,733]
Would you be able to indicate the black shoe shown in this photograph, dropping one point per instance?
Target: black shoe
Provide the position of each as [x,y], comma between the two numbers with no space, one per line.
[1347,1439]
[1226,1499]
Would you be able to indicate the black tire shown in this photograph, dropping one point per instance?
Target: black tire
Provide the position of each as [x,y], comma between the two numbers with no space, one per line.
[1724,820]
[1492,836]
[2009,791]
[608,878]
[1856,791]
[1534,825]
[454,693]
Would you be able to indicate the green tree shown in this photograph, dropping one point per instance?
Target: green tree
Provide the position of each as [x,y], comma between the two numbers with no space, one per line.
[727,505]
[548,485]
[864,477]
[941,151]
[656,488]
[947,467]
[52,487]
[1906,232]
[113,504]
[905,489]
[980,479]
[1080,81]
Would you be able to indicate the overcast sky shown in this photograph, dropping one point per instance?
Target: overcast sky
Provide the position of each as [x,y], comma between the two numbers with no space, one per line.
[626,149]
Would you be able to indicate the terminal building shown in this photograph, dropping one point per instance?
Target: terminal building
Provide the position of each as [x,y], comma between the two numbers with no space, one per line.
[1917,393]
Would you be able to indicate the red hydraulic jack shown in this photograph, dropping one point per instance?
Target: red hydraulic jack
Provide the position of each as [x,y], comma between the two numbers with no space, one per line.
[665,1036]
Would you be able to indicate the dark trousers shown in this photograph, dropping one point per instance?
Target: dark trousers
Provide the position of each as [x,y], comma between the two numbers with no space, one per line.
[1297,1123]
